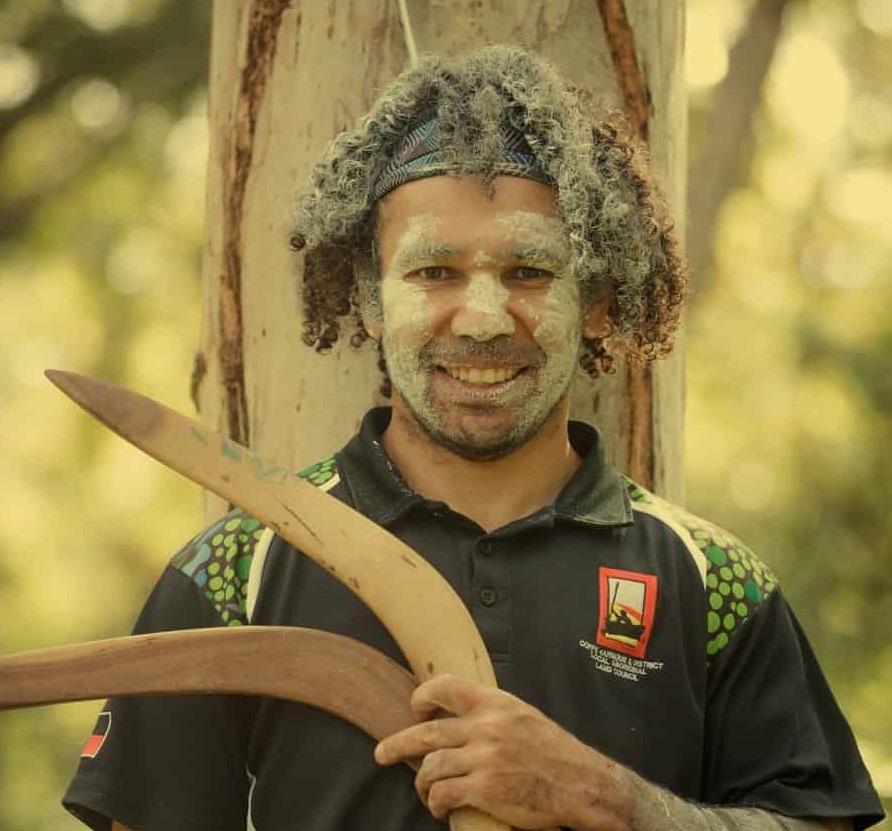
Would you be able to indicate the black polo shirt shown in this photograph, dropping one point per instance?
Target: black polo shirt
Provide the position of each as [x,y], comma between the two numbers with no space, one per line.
[650,634]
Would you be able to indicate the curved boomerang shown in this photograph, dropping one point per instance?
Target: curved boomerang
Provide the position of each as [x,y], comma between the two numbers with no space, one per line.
[338,674]
[407,594]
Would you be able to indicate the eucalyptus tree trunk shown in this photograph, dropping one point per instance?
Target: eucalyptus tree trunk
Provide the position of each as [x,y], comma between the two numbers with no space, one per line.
[285,78]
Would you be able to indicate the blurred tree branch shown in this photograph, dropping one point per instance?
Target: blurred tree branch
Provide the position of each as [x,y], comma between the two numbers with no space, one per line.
[155,61]
[728,128]
[66,49]
[16,214]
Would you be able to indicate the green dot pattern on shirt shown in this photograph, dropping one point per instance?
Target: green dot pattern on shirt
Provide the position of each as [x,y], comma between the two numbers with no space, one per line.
[319,473]
[716,555]
[737,581]
[218,561]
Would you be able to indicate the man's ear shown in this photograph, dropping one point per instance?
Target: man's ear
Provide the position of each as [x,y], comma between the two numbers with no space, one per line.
[369,300]
[594,324]
[372,324]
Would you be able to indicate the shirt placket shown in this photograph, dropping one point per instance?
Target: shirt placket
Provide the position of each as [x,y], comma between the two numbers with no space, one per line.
[491,595]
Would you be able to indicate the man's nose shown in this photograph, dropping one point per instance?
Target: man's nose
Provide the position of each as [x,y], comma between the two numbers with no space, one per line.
[483,310]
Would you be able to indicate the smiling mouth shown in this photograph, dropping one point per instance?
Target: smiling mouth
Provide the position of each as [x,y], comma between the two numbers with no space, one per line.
[482,376]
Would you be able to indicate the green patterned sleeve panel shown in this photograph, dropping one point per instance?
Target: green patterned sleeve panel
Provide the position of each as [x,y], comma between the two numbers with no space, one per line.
[735,580]
[218,562]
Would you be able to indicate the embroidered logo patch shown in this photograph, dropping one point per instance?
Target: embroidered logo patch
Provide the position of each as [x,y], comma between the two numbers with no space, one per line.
[100,733]
[627,603]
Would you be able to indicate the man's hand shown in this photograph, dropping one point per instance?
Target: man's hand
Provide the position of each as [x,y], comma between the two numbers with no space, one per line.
[493,751]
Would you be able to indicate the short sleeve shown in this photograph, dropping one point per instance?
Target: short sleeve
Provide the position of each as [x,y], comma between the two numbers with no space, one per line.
[160,762]
[775,736]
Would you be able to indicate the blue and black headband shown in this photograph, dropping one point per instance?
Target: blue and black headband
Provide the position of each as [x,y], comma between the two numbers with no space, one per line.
[418,156]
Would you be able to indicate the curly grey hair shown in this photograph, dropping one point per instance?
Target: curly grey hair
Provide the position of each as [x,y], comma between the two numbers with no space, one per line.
[620,231]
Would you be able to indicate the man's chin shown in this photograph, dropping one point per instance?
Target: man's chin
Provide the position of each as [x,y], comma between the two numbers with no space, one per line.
[480,433]
[478,452]
[476,444]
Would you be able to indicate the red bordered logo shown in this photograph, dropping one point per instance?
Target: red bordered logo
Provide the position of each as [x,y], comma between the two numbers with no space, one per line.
[100,733]
[628,601]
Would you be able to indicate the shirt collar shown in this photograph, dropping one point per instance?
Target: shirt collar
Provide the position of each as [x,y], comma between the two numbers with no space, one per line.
[594,496]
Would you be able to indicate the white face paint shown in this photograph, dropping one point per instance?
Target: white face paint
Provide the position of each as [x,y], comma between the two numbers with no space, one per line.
[486,319]
[556,318]
[484,308]
[407,313]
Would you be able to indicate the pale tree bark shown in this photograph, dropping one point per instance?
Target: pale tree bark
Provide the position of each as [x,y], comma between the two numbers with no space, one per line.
[285,78]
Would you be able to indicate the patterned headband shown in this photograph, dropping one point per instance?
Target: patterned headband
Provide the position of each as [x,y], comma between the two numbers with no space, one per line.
[418,156]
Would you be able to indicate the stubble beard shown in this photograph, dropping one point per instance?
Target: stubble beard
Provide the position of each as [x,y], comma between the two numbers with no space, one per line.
[440,421]
[466,445]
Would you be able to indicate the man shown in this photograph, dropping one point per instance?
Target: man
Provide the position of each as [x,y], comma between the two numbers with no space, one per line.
[489,230]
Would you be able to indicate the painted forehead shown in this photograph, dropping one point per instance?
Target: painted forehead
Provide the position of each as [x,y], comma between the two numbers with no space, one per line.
[528,236]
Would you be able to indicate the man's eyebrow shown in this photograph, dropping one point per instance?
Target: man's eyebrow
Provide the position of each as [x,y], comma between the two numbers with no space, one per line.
[537,253]
[422,250]
[434,249]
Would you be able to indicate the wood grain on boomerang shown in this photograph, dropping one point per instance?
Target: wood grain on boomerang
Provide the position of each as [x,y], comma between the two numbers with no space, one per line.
[329,671]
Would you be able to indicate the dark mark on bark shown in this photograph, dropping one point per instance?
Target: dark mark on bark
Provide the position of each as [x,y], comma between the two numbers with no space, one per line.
[621,42]
[636,99]
[199,370]
[639,412]
[263,27]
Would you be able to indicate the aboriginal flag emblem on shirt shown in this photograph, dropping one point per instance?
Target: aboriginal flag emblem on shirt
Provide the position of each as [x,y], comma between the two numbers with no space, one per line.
[627,604]
[97,739]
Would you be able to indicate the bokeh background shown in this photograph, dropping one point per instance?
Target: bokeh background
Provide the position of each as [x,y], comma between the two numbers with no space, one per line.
[103,143]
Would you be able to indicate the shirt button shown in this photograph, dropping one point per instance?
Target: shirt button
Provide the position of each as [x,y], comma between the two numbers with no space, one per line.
[485,547]
[488,597]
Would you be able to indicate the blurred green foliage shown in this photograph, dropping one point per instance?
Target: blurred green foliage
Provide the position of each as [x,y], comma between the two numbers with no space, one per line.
[102,155]
[789,400]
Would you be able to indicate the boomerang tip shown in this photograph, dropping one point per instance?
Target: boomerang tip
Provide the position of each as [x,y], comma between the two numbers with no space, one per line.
[71,383]
[120,409]
[57,376]
[80,388]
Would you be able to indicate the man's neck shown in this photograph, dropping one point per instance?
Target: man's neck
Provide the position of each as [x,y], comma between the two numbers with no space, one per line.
[491,493]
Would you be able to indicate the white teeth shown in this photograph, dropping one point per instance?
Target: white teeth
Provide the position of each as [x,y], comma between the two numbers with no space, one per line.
[473,375]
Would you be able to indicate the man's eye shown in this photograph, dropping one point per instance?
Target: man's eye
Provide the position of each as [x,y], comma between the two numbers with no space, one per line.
[432,273]
[527,273]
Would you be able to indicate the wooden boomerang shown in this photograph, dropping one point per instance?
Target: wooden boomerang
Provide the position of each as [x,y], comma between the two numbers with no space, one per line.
[409,596]
[329,671]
